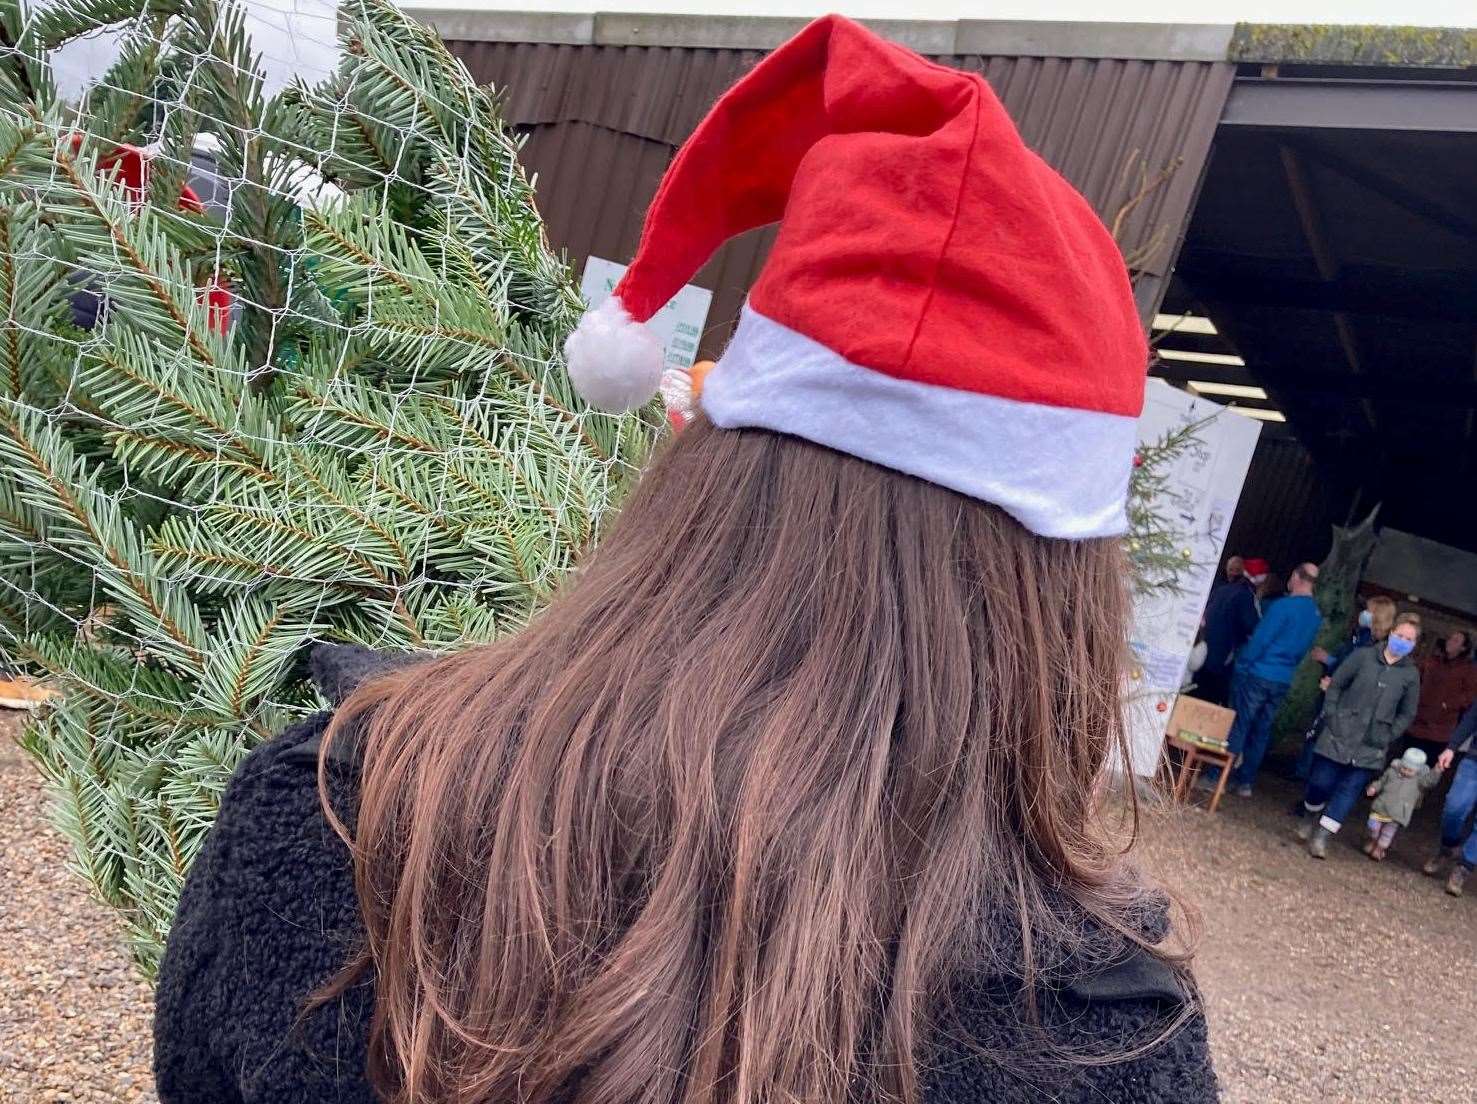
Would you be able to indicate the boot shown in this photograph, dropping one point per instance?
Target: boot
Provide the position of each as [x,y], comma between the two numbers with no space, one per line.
[1370,845]
[1378,853]
[1456,880]
[1305,829]
[1432,866]
[1318,843]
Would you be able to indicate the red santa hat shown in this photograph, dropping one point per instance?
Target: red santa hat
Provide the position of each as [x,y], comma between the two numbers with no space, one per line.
[938,301]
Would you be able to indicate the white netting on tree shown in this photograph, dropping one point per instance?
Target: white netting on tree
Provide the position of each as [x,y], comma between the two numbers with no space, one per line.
[277,366]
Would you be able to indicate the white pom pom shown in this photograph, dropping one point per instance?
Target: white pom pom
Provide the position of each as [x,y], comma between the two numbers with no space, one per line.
[614,362]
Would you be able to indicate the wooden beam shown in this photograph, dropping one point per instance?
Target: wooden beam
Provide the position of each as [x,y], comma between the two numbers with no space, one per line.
[1326,387]
[1185,371]
[1233,280]
[1191,342]
[1308,214]
[1397,193]
[1327,262]
[1301,104]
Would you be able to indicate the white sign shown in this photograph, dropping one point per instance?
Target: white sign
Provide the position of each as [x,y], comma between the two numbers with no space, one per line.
[679,324]
[1203,488]
[297,39]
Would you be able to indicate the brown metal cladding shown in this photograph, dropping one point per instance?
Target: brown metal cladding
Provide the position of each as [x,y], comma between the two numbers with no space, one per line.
[1287,509]
[602,122]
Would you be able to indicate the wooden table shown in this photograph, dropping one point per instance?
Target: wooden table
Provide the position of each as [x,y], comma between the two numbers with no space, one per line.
[1193,757]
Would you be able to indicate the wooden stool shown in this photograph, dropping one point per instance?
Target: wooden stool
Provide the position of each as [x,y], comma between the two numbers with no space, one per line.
[1195,756]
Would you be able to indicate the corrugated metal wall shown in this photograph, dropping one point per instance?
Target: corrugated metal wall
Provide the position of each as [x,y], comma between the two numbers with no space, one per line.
[1286,511]
[603,122]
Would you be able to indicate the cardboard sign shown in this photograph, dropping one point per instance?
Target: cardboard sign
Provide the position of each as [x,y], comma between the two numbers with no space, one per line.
[679,324]
[1200,722]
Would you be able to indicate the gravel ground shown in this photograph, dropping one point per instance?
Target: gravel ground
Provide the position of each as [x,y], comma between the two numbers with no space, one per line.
[1340,981]
[74,1016]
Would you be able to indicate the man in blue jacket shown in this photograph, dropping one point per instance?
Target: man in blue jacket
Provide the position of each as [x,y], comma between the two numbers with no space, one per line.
[1264,668]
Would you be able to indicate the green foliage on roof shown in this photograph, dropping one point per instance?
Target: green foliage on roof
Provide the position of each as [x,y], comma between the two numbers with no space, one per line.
[1433,47]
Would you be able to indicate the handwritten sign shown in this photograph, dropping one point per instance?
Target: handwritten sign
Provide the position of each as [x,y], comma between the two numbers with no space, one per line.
[1203,488]
[679,324]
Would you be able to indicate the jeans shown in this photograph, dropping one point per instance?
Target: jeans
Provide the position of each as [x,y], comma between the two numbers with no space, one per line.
[1459,802]
[1305,758]
[1255,701]
[1333,789]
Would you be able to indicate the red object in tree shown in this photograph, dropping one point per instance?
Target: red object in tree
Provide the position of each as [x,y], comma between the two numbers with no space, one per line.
[129,166]
[1162,706]
[1138,460]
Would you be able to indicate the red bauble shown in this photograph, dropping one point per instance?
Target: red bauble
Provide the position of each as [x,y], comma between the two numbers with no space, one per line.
[1138,461]
[1162,706]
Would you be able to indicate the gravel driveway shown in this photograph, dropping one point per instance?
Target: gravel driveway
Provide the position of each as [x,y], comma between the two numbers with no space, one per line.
[1344,980]
[74,1016]
[1341,981]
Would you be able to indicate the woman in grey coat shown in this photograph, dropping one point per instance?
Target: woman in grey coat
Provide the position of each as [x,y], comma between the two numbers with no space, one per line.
[1371,702]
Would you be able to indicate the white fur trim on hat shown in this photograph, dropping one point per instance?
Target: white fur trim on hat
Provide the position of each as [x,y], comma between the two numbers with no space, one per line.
[1059,471]
[614,362]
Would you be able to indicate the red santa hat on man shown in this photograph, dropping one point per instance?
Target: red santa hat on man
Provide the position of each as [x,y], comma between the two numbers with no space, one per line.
[1255,569]
[939,301]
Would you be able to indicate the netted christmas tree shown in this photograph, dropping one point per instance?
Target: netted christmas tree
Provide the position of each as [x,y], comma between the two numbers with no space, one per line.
[1159,555]
[326,405]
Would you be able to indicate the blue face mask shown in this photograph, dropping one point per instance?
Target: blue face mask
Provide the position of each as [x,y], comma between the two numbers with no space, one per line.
[1366,619]
[1398,646]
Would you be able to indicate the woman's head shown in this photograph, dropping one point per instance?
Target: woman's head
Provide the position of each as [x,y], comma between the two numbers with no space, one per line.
[720,824]
[1458,644]
[1381,616]
[1403,637]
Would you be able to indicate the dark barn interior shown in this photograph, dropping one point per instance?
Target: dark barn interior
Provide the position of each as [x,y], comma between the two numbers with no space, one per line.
[1334,251]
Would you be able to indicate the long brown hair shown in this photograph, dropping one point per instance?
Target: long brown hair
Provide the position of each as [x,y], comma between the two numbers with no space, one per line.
[722,823]
[1382,616]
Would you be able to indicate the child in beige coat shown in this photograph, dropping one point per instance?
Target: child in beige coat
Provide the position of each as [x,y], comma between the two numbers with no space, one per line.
[1400,790]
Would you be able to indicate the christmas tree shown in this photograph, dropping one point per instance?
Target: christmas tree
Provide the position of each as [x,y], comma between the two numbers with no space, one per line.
[327,405]
[1158,555]
[328,408]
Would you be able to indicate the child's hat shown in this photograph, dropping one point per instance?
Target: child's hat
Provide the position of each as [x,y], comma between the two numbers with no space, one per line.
[938,301]
[1413,759]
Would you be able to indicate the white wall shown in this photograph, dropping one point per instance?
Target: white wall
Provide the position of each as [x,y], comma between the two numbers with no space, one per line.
[297,38]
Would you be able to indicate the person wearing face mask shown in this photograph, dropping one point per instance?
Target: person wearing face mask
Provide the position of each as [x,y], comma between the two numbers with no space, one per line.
[1371,701]
[1375,621]
[1373,626]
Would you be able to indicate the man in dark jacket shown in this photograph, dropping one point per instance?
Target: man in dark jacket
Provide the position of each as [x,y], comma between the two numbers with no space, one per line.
[1230,618]
[1234,572]
[1456,842]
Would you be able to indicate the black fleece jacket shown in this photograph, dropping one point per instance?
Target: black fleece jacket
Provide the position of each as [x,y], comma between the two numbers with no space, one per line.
[269,913]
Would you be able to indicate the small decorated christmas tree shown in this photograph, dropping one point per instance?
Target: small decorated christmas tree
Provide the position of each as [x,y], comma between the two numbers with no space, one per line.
[1158,554]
